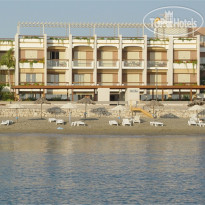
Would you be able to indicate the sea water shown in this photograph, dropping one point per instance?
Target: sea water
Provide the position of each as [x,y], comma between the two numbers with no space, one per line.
[54,169]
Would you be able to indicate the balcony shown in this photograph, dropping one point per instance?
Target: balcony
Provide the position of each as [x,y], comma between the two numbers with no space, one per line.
[185,64]
[133,64]
[157,64]
[108,64]
[78,63]
[57,63]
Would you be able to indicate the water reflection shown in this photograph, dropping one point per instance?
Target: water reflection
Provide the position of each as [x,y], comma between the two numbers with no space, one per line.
[90,170]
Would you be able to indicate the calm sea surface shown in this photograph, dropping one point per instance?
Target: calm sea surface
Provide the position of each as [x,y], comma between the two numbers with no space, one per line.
[102,170]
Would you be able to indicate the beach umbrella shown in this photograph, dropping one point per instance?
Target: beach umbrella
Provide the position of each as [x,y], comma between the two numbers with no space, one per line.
[69,106]
[42,101]
[196,108]
[100,111]
[55,110]
[16,106]
[154,104]
[85,101]
[196,102]
[119,108]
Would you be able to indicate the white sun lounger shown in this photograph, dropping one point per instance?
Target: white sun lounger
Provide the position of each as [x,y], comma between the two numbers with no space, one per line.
[156,124]
[126,122]
[52,119]
[78,123]
[137,119]
[59,121]
[192,122]
[7,122]
[113,122]
[201,124]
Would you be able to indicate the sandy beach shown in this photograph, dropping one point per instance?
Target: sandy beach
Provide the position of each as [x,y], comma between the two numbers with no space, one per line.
[100,126]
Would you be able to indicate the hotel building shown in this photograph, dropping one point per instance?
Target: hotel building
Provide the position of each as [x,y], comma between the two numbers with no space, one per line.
[96,66]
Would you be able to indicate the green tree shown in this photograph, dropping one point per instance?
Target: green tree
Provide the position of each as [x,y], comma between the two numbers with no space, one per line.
[8,60]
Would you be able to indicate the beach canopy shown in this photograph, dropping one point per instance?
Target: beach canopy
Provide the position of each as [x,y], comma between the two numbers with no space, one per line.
[154,104]
[69,106]
[42,101]
[55,110]
[101,111]
[119,108]
[196,102]
[196,108]
[85,101]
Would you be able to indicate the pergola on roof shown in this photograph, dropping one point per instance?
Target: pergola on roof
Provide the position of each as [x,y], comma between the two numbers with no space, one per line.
[68,26]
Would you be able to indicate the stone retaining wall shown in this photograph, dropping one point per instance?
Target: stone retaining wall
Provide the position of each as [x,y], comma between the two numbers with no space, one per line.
[31,110]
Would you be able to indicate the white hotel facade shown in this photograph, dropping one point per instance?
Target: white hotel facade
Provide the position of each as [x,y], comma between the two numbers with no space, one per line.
[43,60]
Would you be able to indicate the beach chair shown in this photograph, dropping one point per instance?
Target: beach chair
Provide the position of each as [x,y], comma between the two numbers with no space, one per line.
[201,124]
[156,124]
[7,122]
[78,123]
[113,122]
[137,119]
[126,122]
[52,119]
[59,121]
[192,121]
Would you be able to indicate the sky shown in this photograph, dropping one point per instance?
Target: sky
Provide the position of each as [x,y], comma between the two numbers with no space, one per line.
[84,11]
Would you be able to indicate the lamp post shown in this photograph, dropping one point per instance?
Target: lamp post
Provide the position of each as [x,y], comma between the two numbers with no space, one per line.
[156,82]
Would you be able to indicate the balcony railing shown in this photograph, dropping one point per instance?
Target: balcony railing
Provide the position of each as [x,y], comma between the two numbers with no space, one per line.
[132,63]
[133,83]
[81,63]
[157,63]
[57,83]
[83,83]
[108,83]
[108,63]
[57,63]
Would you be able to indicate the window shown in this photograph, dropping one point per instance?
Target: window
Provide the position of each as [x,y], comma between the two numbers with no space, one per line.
[79,55]
[79,78]
[30,78]
[54,55]
[30,54]
[184,55]
[53,79]
[154,56]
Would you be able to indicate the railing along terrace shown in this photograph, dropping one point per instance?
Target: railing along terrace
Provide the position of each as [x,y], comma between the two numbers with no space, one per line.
[133,83]
[6,39]
[58,83]
[133,63]
[107,38]
[83,37]
[57,63]
[108,83]
[31,36]
[158,83]
[82,63]
[31,83]
[6,83]
[82,83]
[187,83]
[108,63]
[157,63]
[132,38]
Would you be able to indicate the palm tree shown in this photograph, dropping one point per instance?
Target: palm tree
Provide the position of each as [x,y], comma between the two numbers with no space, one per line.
[8,60]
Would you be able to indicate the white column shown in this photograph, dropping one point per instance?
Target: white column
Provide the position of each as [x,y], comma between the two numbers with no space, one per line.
[120,60]
[70,58]
[45,59]
[95,60]
[17,73]
[170,56]
[144,72]
[198,59]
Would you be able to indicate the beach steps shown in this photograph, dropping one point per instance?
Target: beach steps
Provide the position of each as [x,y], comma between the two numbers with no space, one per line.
[137,109]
